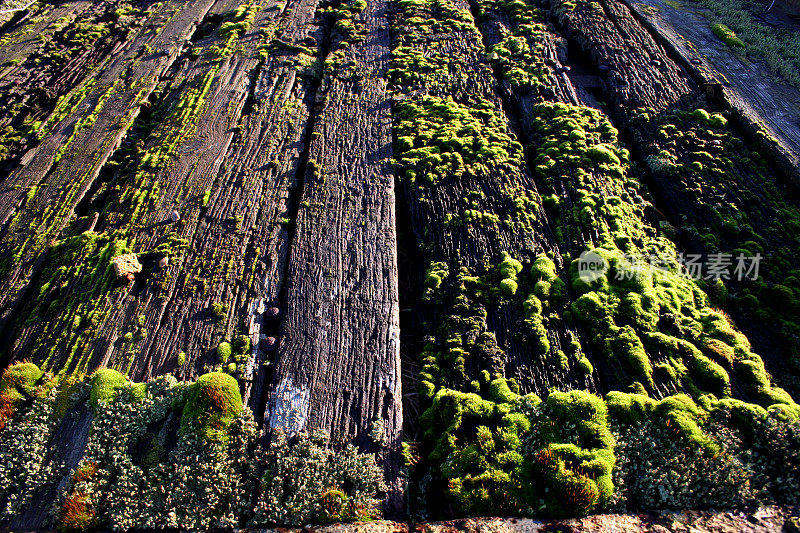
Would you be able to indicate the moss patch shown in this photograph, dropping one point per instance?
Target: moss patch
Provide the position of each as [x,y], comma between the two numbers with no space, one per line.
[439,138]
[106,382]
[19,381]
[212,403]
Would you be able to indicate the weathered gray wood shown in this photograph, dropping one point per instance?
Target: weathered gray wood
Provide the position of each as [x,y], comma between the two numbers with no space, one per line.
[339,344]
[176,299]
[249,176]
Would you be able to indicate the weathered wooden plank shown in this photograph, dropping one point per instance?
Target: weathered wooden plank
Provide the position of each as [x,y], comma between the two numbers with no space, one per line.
[746,86]
[65,165]
[237,242]
[190,185]
[470,219]
[339,344]
[45,56]
[114,92]
[19,28]
[719,190]
[127,210]
[19,39]
[635,68]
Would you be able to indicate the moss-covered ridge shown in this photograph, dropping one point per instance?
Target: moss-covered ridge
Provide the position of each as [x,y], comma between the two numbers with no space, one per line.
[519,56]
[507,453]
[529,298]
[729,200]
[438,138]
[426,32]
[654,325]
[212,403]
[645,313]
[475,448]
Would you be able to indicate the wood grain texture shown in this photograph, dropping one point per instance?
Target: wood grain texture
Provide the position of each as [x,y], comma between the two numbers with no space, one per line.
[339,340]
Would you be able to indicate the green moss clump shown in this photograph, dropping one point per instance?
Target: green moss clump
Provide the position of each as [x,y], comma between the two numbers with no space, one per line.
[573,459]
[241,346]
[718,121]
[224,350]
[628,408]
[509,453]
[543,268]
[448,139]
[85,33]
[212,403]
[220,311]
[591,308]
[534,320]
[239,21]
[501,390]
[476,449]
[678,414]
[727,35]
[701,114]
[603,154]
[711,375]
[19,381]
[682,415]
[105,382]
[435,274]
[508,286]
[579,480]
[509,267]
[624,343]
[585,365]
